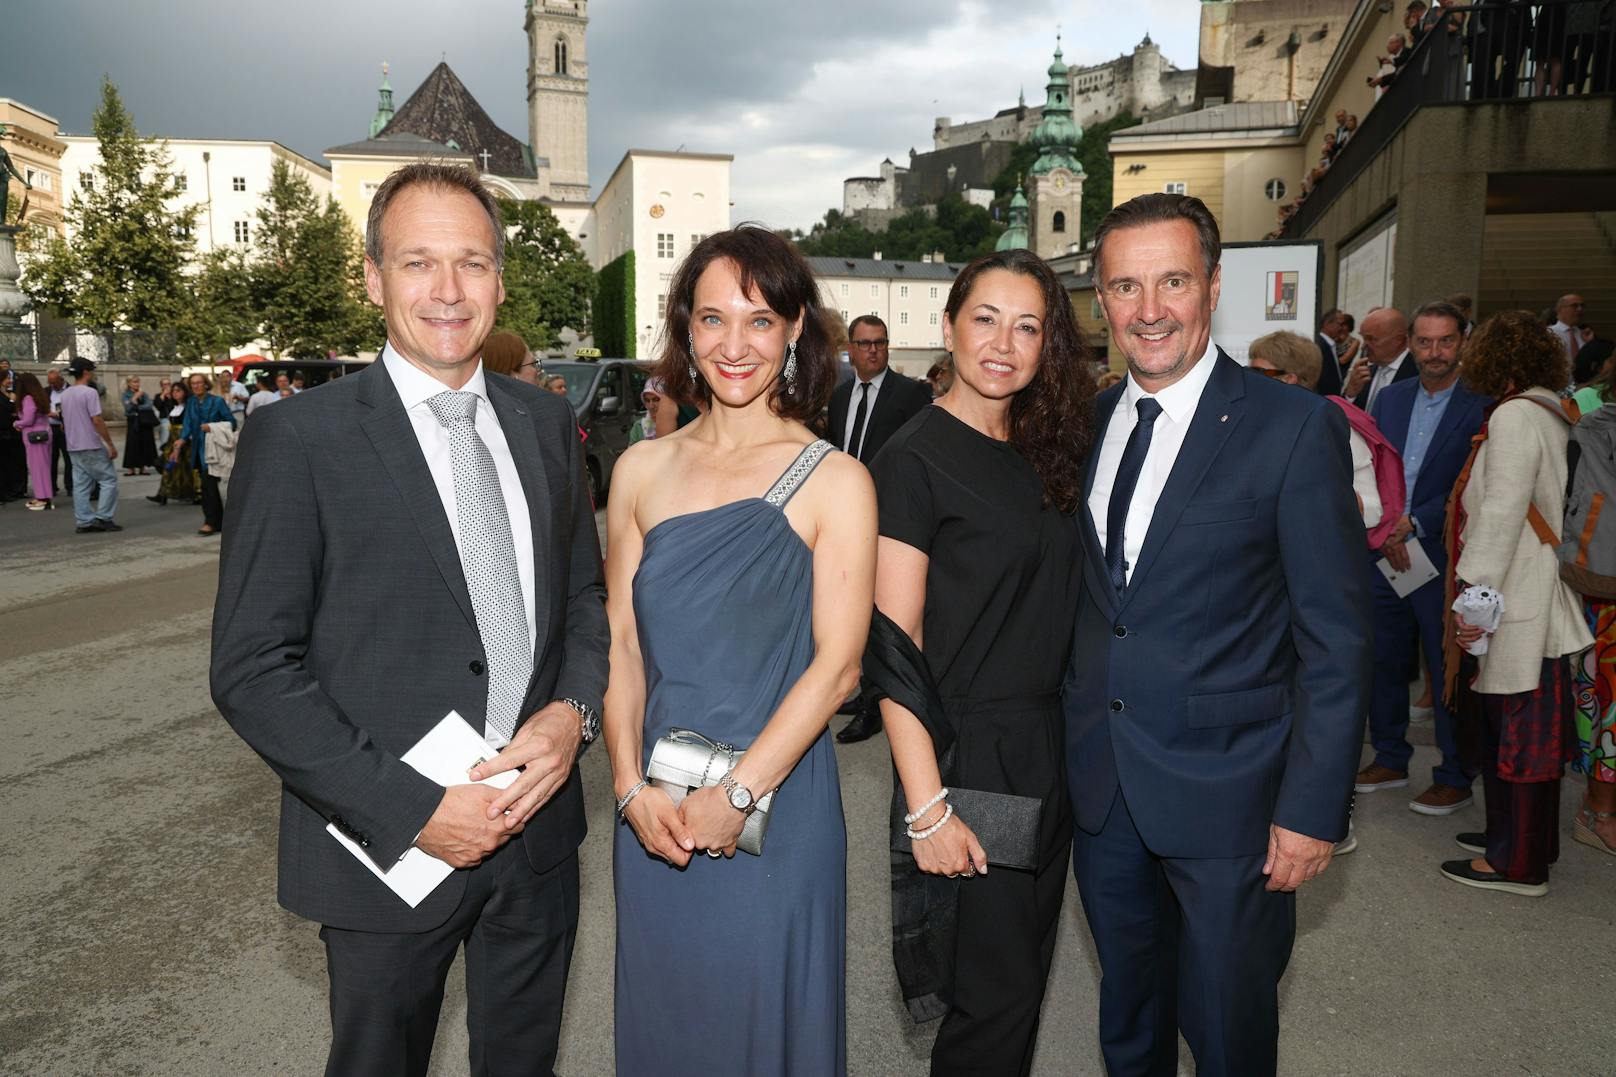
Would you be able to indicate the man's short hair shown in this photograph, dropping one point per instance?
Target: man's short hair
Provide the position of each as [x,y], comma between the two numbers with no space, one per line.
[865,319]
[1290,352]
[431,174]
[1439,308]
[1159,209]
[1329,316]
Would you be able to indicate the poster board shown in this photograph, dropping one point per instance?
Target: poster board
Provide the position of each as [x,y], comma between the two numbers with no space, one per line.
[1268,286]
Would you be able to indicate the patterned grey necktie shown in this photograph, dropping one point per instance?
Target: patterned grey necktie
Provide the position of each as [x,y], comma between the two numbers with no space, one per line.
[488,558]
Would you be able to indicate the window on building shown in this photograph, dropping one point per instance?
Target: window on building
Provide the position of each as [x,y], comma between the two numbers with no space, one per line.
[903,317]
[933,318]
[844,290]
[87,180]
[933,295]
[903,291]
[243,231]
[180,182]
[843,313]
[561,56]
[1274,189]
[185,230]
[367,189]
[695,238]
[664,244]
[1177,187]
[875,289]
[238,183]
[1059,222]
[662,305]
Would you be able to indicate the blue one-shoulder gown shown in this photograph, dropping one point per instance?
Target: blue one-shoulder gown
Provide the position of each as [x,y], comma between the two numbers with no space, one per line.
[734,966]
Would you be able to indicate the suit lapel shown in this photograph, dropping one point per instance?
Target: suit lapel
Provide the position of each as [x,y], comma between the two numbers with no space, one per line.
[1216,417]
[1398,419]
[517,425]
[393,438]
[1105,406]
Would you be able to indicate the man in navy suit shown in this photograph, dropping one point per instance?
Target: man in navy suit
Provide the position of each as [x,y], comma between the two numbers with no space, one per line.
[1431,420]
[1219,675]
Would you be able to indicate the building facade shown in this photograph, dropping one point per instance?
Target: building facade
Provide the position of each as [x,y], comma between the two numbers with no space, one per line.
[908,296]
[34,142]
[225,179]
[558,93]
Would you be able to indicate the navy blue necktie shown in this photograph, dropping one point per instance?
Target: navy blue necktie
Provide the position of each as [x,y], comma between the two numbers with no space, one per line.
[1116,514]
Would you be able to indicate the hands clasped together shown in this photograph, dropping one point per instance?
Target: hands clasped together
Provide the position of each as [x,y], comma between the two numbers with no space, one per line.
[673,832]
[473,821]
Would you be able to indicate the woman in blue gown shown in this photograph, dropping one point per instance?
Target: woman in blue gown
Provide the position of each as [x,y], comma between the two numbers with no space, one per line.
[740,570]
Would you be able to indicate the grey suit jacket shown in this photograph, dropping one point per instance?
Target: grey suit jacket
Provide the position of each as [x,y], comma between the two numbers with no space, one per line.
[343,629]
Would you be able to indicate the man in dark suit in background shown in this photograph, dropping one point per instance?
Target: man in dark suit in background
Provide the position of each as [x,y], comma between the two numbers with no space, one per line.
[1384,359]
[1337,349]
[865,411]
[404,542]
[1431,421]
[1215,700]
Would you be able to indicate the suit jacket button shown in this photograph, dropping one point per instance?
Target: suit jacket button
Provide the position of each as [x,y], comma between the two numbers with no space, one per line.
[364,843]
[476,667]
[1116,704]
[1121,631]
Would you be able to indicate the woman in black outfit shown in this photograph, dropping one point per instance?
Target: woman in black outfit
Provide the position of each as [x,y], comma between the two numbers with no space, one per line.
[979,563]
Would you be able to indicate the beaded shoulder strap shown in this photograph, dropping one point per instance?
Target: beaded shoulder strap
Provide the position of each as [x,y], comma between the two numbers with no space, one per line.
[797,473]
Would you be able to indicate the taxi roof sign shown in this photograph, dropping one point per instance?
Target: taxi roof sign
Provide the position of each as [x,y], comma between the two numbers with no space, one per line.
[586,353]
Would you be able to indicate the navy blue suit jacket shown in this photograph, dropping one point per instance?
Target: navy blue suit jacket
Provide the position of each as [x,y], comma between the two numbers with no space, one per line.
[1226,689]
[1428,501]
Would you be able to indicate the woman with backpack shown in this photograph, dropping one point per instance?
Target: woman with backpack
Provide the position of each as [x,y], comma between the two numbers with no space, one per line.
[1517,621]
[1586,560]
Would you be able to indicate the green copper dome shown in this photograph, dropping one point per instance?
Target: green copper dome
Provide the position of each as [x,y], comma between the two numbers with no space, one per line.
[1057,134]
[1015,236]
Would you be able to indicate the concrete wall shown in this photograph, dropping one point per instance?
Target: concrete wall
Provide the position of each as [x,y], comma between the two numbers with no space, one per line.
[1200,170]
[1268,70]
[1435,170]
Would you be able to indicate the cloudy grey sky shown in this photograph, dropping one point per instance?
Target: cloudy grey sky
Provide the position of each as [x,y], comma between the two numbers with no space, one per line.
[803,94]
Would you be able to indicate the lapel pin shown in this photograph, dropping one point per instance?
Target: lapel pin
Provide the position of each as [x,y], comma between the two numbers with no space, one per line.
[1224,419]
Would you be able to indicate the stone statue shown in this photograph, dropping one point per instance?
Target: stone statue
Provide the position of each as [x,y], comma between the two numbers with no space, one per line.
[7,170]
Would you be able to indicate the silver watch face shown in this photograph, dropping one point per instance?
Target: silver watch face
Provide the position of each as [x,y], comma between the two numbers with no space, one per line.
[740,797]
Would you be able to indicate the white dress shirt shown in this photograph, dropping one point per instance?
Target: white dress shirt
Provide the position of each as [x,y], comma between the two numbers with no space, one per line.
[1363,478]
[1570,339]
[415,387]
[852,408]
[1382,377]
[1178,402]
[262,397]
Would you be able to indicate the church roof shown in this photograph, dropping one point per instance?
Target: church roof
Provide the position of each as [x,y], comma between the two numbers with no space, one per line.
[442,110]
[401,145]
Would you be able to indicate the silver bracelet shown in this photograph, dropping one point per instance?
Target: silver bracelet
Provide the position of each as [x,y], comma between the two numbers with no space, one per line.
[638,787]
[920,812]
[922,835]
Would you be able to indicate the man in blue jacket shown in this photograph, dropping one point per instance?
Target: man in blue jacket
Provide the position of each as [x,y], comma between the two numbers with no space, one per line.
[1431,420]
[1220,670]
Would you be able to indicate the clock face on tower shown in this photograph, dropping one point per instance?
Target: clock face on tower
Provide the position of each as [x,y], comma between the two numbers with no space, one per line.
[1060,182]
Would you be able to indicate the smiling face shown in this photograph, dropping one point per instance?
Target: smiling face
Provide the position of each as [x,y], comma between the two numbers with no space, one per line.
[1158,299]
[997,336]
[739,344]
[437,282]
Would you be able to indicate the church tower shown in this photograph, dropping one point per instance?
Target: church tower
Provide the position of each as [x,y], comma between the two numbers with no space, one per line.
[1056,178]
[558,93]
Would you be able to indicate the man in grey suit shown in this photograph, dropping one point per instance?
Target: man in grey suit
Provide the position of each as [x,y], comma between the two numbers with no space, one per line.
[409,541]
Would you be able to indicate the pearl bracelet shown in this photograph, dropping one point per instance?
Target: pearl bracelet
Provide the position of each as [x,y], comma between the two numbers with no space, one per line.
[922,835]
[622,805]
[920,812]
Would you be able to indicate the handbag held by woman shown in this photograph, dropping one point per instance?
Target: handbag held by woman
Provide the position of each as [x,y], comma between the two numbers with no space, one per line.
[684,761]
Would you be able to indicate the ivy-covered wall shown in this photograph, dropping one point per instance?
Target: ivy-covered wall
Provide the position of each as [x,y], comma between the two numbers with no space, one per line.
[613,312]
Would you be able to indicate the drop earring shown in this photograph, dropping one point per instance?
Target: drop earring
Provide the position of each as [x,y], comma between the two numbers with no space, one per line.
[690,343]
[790,371]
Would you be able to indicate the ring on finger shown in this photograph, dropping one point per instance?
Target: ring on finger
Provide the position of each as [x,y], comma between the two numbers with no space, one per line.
[714,855]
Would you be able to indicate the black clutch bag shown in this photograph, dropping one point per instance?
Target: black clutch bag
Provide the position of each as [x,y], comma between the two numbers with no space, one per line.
[1006,825]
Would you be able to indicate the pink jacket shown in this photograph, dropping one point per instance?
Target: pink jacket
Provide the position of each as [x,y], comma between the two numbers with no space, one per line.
[30,418]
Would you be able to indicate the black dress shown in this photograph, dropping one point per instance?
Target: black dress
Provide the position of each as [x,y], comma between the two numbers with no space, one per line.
[1001,601]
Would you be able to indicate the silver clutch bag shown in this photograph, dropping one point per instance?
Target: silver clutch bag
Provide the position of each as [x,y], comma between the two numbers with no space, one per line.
[684,761]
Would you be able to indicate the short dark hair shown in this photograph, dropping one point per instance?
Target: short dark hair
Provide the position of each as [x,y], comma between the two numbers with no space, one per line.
[431,174]
[1439,308]
[1349,320]
[1052,419]
[865,319]
[1159,209]
[771,268]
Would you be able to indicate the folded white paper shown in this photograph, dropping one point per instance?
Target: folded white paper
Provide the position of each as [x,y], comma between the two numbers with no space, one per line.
[445,755]
[1483,608]
[1420,571]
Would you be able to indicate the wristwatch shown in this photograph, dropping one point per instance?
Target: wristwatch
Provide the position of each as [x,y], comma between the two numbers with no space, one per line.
[740,797]
[586,714]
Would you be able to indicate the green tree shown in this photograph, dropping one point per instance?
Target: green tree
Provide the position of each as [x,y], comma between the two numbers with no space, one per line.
[548,282]
[614,307]
[955,227]
[221,315]
[305,274]
[1095,154]
[126,266]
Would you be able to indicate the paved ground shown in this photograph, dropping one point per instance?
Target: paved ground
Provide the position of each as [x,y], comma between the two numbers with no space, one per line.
[141,934]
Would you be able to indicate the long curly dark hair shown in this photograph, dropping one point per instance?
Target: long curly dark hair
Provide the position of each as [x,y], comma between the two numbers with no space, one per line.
[1511,352]
[1052,419]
